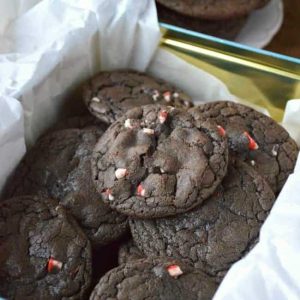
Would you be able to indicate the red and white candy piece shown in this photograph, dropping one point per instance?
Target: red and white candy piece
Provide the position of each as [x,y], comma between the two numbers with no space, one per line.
[252,144]
[167,96]
[53,265]
[174,271]
[148,131]
[221,130]
[162,117]
[120,173]
[128,124]
[108,193]
[275,150]
[155,95]
[140,190]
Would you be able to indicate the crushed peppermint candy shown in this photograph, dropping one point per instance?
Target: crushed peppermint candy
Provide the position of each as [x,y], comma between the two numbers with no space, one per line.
[162,117]
[120,173]
[187,103]
[221,130]
[175,95]
[252,144]
[275,150]
[167,96]
[162,171]
[174,271]
[95,99]
[253,163]
[148,131]
[108,193]
[53,265]
[140,190]
[128,123]
[155,95]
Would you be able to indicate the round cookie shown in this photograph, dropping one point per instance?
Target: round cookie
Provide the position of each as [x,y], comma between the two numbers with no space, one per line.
[216,234]
[129,252]
[212,9]
[157,161]
[156,278]
[255,138]
[110,94]
[226,29]
[59,166]
[43,252]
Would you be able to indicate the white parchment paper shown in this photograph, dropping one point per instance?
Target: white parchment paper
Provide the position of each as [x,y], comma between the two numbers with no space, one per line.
[48,48]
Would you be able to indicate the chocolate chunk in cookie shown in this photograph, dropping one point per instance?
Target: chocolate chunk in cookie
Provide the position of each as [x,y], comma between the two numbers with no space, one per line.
[255,138]
[158,161]
[59,166]
[44,254]
[110,94]
[157,278]
[216,234]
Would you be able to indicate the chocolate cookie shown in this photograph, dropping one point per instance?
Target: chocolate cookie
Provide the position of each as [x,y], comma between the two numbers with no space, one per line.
[216,234]
[212,9]
[255,138]
[58,166]
[157,161]
[227,29]
[43,252]
[110,94]
[158,278]
[129,252]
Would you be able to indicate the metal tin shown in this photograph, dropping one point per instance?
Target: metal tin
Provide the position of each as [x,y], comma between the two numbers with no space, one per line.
[261,77]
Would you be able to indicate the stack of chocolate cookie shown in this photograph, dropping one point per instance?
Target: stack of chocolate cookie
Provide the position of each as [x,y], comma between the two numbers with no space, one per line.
[194,184]
[221,18]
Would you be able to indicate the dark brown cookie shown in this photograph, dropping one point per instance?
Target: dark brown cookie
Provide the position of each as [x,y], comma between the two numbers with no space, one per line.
[214,9]
[255,138]
[44,254]
[157,161]
[110,94]
[227,29]
[59,166]
[156,278]
[216,234]
[129,252]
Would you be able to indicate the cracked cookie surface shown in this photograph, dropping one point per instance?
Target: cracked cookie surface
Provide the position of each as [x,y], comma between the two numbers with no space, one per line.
[58,166]
[271,152]
[43,252]
[110,94]
[157,161]
[214,9]
[216,234]
[156,278]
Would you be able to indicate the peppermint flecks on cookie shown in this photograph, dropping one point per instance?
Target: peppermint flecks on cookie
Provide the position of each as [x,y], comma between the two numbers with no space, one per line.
[95,99]
[108,193]
[174,271]
[163,115]
[155,95]
[120,173]
[275,150]
[128,124]
[53,265]
[252,144]
[148,131]
[221,130]
[140,190]
[167,96]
